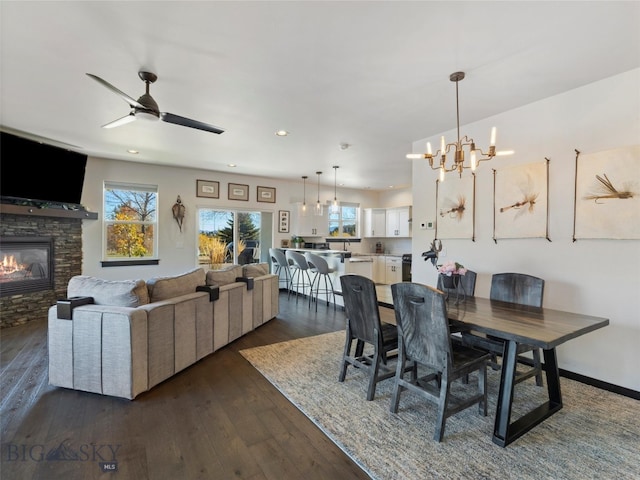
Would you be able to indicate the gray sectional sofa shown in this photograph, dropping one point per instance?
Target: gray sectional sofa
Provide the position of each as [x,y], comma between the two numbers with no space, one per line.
[121,338]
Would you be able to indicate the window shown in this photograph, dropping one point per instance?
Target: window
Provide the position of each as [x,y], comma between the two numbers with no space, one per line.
[130,222]
[220,231]
[344,221]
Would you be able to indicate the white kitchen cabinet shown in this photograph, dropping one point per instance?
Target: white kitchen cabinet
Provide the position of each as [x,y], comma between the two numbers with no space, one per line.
[379,269]
[310,225]
[398,222]
[375,221]
[393,270]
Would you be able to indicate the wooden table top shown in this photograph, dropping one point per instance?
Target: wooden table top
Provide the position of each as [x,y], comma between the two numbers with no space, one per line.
[541,327]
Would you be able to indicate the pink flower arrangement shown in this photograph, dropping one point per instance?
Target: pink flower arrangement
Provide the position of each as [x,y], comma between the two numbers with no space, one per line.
[451,268]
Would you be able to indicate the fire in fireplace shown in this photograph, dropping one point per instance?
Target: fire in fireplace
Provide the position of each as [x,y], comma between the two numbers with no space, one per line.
[26,264]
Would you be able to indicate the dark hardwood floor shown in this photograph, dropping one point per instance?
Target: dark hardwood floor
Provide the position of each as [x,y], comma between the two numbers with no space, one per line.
[218,419]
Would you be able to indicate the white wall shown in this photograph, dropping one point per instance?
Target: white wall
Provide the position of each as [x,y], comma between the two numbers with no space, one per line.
[596,277]
[178,250]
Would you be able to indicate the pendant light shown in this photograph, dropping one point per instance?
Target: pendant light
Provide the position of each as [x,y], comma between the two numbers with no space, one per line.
[334,207]
[318,209]
[458,147]
[302,209]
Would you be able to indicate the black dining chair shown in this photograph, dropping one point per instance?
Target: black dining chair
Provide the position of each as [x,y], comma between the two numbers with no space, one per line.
[520,289]
[365,330]
[424,342]
[467,286]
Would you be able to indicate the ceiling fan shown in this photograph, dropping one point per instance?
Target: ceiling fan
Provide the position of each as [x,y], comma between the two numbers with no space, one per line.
[147,108]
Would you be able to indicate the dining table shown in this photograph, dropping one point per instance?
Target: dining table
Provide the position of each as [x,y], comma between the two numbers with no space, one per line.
[543,328]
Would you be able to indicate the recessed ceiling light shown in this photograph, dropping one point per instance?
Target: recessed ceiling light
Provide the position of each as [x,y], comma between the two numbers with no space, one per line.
[133,152]
[282,133]
[232,165]
[390,186]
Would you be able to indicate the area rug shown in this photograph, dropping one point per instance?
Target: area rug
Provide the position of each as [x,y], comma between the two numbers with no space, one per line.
[596,435]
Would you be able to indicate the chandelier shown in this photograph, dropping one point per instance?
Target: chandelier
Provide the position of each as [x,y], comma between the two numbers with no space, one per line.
[457,148]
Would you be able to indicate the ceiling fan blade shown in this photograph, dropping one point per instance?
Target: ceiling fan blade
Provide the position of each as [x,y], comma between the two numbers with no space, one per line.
[121,121]
[131,101]
[187,122]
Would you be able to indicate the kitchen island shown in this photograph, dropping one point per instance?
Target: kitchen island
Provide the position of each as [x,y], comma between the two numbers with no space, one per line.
[341,262]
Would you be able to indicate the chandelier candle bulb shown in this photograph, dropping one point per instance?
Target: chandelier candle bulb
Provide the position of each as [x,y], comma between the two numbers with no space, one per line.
[492,143]
[429,148]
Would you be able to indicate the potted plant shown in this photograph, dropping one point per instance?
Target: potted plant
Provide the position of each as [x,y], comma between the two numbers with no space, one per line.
[297,242]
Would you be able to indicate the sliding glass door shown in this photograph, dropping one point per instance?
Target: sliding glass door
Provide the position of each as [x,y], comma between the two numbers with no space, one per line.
[233,236]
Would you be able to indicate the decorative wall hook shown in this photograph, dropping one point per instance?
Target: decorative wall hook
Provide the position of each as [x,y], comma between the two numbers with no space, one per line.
[178,210]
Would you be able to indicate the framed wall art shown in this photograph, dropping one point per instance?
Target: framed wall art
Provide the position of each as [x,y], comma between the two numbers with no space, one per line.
[238,191]
[455,204]
[607,194]
[207,189]
[266,194]
[283,221]
[521,201]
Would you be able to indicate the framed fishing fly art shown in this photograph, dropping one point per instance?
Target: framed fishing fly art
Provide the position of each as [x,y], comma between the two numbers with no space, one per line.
[607,194]
[455,204]
[521,201]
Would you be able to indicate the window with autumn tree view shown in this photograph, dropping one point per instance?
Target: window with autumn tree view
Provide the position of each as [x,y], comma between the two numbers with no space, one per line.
[130,221]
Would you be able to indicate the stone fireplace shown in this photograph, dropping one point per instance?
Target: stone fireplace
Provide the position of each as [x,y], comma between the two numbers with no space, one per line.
[47,252]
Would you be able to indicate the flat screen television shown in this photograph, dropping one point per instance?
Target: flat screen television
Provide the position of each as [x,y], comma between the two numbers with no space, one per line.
[39,172]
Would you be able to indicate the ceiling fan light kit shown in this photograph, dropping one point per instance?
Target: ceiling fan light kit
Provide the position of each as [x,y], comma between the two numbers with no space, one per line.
[146,108]
[458,165]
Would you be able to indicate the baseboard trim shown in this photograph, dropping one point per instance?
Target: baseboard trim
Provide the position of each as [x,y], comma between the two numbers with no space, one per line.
[610,387]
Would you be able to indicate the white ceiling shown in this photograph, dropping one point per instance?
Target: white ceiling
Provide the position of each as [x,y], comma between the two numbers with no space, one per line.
[371,74]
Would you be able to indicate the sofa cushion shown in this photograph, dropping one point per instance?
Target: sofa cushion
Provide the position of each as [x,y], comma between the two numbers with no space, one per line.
[224,276]
[255,269]
[163,288]
[121,293]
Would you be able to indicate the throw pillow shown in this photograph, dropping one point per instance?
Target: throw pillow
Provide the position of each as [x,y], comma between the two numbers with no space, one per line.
[224,276]
[122,293]
[255,269]
[162,288]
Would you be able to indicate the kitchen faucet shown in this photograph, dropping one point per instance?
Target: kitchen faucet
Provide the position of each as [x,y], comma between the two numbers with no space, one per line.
[344,244]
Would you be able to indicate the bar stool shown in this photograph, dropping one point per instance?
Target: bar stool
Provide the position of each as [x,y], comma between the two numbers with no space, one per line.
[300,269]
[280,264]
[320,268]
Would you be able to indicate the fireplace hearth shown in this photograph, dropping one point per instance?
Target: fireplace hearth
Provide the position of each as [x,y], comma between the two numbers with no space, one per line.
[26,265]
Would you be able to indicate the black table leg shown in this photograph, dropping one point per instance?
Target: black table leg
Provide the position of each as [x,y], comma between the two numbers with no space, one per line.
[505,394]
[504,431]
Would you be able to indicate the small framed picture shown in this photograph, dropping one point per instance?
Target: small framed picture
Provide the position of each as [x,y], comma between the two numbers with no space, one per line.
[283,221]
[266,194]
[207,189]
[237,191]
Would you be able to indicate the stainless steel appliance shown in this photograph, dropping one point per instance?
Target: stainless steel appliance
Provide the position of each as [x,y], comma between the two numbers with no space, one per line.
[406,267]
[317,246]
